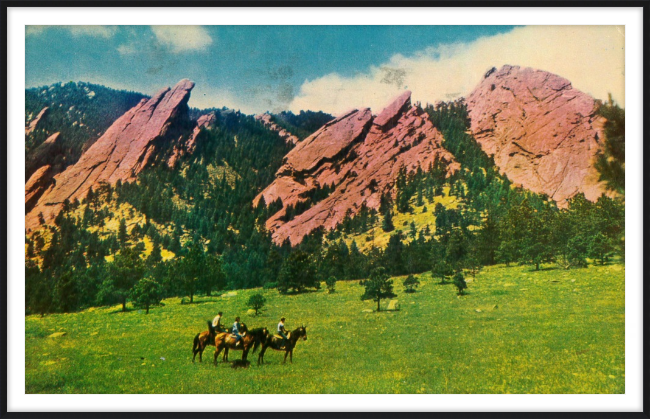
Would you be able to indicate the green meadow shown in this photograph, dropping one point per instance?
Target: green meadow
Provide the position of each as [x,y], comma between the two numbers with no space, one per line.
[516,331]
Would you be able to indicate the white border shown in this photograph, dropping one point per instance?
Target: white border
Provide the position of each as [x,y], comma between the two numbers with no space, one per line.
[630,17]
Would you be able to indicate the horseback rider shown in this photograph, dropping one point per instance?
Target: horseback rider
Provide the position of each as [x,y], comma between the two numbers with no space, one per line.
[216,323]
[282,331]
[235,331]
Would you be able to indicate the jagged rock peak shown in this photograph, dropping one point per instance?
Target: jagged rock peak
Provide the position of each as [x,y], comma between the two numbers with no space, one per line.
[123,151]
[359,159]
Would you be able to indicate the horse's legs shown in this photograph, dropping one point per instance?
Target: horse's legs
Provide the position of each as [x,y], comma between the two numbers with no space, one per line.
[216,355]
[285,356]
[201,354]
[260,357]
[291,355]
[225,355]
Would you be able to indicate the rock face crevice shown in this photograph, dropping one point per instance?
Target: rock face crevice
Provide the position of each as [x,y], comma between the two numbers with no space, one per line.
[542,133]
[359,156]
[143,135]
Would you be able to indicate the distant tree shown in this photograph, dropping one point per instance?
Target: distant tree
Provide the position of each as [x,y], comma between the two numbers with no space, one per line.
[122,236]
[65,292]
[156,254]
[38,289]
[190,268]
[610,160]
[297,273]
[472,265]
[145,293]
[410,283]
[256,302]
[442,270]
[459,282]
[331,284]
[507,251]
[124,272]
[600,247]
[379,286]
[212,276]
[387,223]
[577,252]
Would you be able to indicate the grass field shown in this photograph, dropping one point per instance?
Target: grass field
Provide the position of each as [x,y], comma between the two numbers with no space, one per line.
[517,331]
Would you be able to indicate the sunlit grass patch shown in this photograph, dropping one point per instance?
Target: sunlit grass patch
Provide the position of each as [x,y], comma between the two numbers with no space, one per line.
[517,331]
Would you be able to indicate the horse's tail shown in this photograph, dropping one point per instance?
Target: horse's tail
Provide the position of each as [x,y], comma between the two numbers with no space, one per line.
[196,342]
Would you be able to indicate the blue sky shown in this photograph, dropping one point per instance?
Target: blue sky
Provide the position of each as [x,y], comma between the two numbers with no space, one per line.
[260,68]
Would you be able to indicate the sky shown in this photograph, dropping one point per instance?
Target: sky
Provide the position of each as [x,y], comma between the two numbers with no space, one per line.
[329,68]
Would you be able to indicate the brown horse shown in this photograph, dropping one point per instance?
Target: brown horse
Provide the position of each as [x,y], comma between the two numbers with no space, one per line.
[275,342]
[203,339]
[227,341]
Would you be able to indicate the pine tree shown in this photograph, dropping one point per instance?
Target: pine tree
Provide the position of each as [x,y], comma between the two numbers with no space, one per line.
[410,283]
[387,223]
[146,293]
[379,286]
[121,233]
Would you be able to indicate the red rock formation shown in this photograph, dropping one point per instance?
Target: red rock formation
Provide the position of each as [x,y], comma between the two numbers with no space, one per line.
[130,144]
[542,132]
[265,119]
[357,155]
[36,185]
[204,121]
[44,154]
[34,123]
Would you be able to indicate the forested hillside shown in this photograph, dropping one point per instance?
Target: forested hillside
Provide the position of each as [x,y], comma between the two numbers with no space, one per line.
[80,111]
[193,228]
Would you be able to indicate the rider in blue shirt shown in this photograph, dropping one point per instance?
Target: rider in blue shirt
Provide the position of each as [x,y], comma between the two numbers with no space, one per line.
[235,331]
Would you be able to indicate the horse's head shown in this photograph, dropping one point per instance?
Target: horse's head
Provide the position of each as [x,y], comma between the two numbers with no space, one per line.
[302,330]
[243,328]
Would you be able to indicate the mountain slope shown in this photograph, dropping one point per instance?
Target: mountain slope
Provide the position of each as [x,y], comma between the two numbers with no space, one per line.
[130,144]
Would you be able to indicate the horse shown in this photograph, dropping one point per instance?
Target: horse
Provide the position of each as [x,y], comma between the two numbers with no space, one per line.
[203,339]
[275,343]
[226,341]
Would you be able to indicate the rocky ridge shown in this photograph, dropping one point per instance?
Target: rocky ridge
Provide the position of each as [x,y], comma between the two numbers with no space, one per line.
[138,138]
[266,120]
[359,156]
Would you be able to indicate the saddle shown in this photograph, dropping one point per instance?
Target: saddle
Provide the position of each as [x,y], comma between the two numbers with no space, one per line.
[277,336]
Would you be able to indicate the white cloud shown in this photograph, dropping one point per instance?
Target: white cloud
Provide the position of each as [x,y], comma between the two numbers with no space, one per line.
[183,38]
[97,31]
[591,57]
[127,49]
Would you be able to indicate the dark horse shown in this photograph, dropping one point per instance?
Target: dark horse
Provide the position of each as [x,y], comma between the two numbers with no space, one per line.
[227,341]
[203,339]
[275,342]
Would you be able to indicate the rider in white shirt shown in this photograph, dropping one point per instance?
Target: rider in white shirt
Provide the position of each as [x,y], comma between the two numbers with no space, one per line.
[282,332]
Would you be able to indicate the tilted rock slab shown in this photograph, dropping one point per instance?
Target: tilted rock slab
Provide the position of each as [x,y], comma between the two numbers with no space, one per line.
[33,124]
[44,154]
[359,155]
[265,119]
[125,149]
[542,132]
